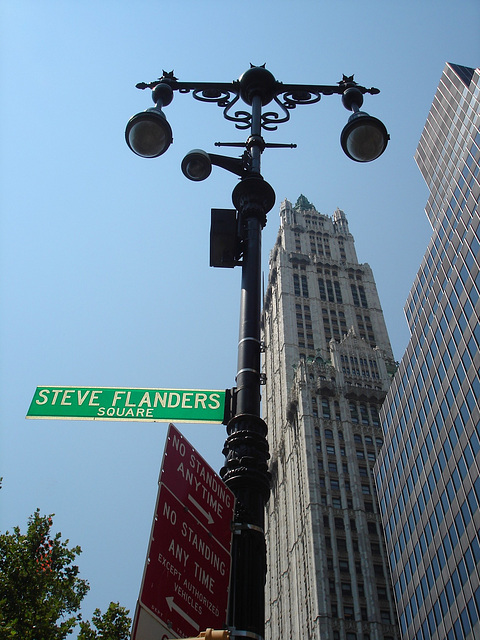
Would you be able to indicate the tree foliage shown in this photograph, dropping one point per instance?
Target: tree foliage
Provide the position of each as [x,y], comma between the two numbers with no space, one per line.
[40,591]
[114,624]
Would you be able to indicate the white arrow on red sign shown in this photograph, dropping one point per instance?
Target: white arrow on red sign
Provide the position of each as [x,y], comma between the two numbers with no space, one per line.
[208,516]
[191,479]
[172,606]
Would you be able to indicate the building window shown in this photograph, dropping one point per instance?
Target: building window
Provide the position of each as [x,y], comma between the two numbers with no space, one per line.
[296,284]
[378,569]
[339,524]
[304,286]
[385,615]
[382,592]
[363,297]
[348,613]
[321,286]
[364,414]
[331,297]
[353,413]
[326,408]
[338,292]
[343,565]
[356,299]
[337,415]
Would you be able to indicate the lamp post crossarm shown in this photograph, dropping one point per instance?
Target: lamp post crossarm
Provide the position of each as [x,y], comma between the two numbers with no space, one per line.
[286,96]
[295,93]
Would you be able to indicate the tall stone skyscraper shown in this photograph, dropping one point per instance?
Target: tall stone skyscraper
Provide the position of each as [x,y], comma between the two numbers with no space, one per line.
[428,471]
[328,365]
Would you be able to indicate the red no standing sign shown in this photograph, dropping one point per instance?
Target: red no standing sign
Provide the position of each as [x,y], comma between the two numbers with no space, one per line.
[186,578]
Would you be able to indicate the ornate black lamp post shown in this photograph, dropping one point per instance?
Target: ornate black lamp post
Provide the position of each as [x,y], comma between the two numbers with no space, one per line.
[149,135]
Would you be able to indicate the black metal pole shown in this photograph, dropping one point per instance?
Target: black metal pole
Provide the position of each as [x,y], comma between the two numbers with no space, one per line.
[246,448]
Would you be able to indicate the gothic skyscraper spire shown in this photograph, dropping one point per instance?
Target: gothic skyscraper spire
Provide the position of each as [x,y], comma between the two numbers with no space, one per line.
[328,365]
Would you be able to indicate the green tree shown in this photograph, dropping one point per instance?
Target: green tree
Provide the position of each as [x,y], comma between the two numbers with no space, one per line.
[114,624]
[40,591]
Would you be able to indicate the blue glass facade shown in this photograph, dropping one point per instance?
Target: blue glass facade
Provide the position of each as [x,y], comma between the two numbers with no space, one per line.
[428,470]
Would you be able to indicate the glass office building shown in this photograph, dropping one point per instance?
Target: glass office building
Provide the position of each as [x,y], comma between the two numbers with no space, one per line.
[428,470]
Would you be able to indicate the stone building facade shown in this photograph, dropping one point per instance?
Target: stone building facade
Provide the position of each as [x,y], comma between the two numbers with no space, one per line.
[328,365]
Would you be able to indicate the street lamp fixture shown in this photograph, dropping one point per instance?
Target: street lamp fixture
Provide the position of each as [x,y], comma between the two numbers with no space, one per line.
[148,134]
[197,164]
[236,240]
[364,138]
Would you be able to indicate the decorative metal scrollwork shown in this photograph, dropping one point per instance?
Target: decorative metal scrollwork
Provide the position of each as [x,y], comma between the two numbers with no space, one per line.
[226,99]
[271,119]
[293,98]
[242,119]
[288,101]
[220,96]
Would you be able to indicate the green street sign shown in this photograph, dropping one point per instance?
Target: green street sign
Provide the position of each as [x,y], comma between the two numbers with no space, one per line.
[141,405]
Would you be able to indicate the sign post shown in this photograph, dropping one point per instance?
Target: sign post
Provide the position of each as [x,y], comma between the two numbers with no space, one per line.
[186,578]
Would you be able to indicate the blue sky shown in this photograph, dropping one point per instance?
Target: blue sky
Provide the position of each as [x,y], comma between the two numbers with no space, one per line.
[104,255]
